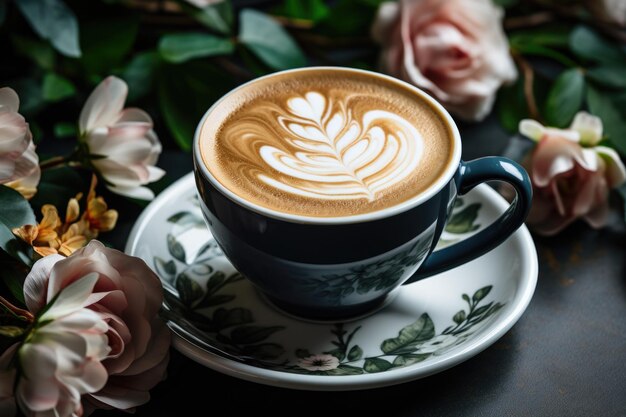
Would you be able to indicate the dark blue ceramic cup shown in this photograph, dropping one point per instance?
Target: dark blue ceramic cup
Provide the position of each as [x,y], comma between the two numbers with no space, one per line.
[337,268]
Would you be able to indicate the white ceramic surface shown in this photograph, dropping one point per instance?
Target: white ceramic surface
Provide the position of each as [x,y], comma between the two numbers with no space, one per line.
[220,320]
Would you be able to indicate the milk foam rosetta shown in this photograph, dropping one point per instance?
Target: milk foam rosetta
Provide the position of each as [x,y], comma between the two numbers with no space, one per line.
[325,146]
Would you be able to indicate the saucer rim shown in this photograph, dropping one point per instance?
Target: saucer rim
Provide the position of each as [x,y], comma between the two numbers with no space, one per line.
[231,367]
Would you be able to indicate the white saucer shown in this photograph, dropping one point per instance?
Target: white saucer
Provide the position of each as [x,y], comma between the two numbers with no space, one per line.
[220,321]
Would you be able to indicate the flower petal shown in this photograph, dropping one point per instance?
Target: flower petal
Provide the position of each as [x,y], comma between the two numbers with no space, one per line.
[104,105]
[589,127]
[9,100]
[36,283]
[615,170]
[72,297]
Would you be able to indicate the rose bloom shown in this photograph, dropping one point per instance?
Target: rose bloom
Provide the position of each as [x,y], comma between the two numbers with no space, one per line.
[19,164]
[455,49]
[571,175]
[125,146]
[119,300]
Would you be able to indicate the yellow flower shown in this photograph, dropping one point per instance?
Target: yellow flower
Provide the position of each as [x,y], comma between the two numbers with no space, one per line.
[51,235]
[41,235]
[98,215]
[72,240]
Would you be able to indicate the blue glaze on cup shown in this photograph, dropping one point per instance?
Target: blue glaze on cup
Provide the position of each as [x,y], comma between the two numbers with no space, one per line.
[333,268]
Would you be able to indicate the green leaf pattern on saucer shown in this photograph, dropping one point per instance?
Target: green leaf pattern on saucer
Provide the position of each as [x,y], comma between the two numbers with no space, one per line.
[200,300]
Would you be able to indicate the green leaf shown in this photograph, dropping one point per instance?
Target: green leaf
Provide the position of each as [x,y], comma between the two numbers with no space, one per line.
[463,221]
[175,248]
[166,270]
[252,334]
[215,282]
[56,88]
[186,91]
[459,317]
[215,300]
[40,52]
[565,98]
[188,290]
[344,369]
[481,293]
[313,10]
[614,124]
[612,75]
[410,359]
[57,186]
[349,18]
[14,246]
[181,47]
[31,100]
[54,21]
[106,42]
[355,353]
[481,310]
[512,106]
[217,17]
[264,351]
[16,211]
[140,74]
[587,44]
[265,38]
[65,130]
[555,36]
[224,318]
[544,51]
[13,275]
[373,365]
[422,329]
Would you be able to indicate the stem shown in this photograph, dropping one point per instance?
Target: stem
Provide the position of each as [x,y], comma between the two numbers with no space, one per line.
[54,162]
[531,20]
[20,312]
[529,78]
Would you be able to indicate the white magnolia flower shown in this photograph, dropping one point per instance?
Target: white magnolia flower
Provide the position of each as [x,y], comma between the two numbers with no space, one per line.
[19,164]
[61,359]
[123,145]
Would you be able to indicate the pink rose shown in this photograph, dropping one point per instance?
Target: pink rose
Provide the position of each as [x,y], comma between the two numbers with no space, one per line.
[19,164]
[124,137]
[455,49]
[126,296]
[571,175]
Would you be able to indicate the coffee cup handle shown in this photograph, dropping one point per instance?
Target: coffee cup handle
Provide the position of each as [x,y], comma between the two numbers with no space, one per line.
[471,174]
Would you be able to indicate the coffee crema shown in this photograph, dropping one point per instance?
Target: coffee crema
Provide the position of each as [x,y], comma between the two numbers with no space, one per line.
[325,143]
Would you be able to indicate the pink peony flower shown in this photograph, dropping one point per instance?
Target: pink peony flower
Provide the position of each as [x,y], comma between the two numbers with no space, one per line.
[125,298]
[19,164]
[122,139]
[455,49]
[571,175]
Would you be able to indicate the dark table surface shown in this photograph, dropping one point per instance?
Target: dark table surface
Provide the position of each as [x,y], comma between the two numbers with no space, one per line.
[566,356]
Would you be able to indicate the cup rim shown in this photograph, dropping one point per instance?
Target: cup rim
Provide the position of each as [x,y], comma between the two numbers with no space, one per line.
[402,207]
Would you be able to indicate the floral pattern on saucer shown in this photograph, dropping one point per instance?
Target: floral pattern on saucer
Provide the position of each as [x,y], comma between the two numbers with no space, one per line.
[202,300]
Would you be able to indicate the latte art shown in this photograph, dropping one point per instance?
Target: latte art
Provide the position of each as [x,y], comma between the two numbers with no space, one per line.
[320,143]
[334,155]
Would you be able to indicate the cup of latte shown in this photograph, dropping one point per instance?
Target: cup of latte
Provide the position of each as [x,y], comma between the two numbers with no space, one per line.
[329,187]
